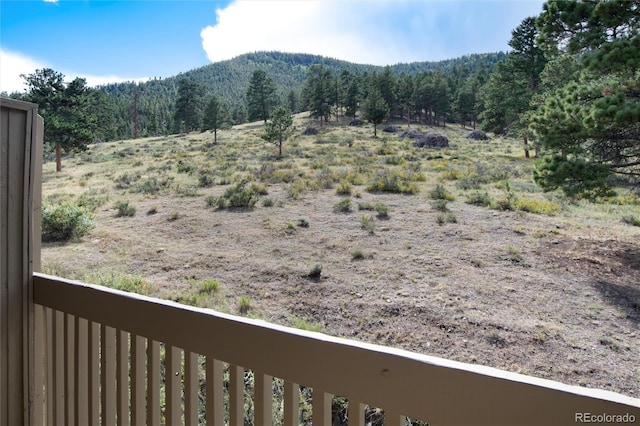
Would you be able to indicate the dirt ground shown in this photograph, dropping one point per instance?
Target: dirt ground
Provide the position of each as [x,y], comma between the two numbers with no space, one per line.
[548,296]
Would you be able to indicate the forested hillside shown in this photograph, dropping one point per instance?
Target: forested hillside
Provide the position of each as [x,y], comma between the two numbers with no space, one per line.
[229,80]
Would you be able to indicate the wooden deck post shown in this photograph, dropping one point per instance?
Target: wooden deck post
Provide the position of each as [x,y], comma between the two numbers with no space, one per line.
[21,131]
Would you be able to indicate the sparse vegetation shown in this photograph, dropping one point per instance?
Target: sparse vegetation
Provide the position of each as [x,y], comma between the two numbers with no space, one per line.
[474,263]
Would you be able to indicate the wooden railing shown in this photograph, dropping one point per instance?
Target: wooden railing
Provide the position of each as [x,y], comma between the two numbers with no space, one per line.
[108,357]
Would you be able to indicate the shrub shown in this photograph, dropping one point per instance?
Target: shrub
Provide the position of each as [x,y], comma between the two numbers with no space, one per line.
[440,205]
[344,188]
[208,286]
[65,221]
[357,254]
[235,197]
[315,272]
[631,220]
[382,211]
[441,193]
[342,206]
[303,222]
[125,209]
[367,222]
[267,202]
[205,179]
[244,305]
[479,199]
[537,206]
[152,210]
[448,217]
[397,181]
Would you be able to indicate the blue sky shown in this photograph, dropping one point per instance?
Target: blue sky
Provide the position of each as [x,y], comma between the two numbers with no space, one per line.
[106,41]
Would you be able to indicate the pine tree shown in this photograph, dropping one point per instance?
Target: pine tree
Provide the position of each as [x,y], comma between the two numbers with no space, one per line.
[69,110]
[188,110]
[319,92]
[215,116]
[279,128]
[261,96]
[374,109]
[588,128]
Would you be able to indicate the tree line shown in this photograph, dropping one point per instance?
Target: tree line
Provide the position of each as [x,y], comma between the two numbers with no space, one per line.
[570,88]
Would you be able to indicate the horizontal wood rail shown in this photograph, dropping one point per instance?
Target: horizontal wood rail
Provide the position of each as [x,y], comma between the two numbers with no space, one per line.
[103,348]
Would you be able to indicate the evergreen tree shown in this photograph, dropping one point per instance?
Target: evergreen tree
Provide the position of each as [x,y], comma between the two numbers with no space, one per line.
[279,128]
[261,96]
[406,88]
[69,110]
[215,116]
[386,83]
[374,109]
[188,109]
[319,92]
[508,93]
[589,128]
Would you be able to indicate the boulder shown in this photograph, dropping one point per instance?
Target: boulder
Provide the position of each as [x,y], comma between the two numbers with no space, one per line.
[432,140]
[478,135]
[411,134]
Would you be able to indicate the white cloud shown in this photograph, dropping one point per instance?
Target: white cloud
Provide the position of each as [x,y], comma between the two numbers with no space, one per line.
[51,1]
[373,32]
[328,28]
[13,64]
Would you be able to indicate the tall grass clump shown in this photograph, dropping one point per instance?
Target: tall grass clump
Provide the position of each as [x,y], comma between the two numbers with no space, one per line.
[65,221]
[441,193]
[236,197]
[396,181]
[124,209]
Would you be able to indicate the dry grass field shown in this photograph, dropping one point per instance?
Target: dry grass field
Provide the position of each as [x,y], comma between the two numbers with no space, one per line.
[454,252]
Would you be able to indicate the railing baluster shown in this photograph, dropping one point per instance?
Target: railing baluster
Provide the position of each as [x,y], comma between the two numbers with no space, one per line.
[215,392]
[94,373]
[190,389]
[263,399]
[50,357]
[291,404]
[108,375]
[82,372]
[39,363]
[172,382]
[58,367]
[236,395]
[321,408]
[138,386]
[355,413]
[153,383]
[69,369]
[122,373]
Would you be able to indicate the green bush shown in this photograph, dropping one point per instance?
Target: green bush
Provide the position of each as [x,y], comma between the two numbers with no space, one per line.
[441,193]
[65,221]
[125,209]
[382,211]
[235,197]
[342,206]
[397,181]
[344,188]
[479,199]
